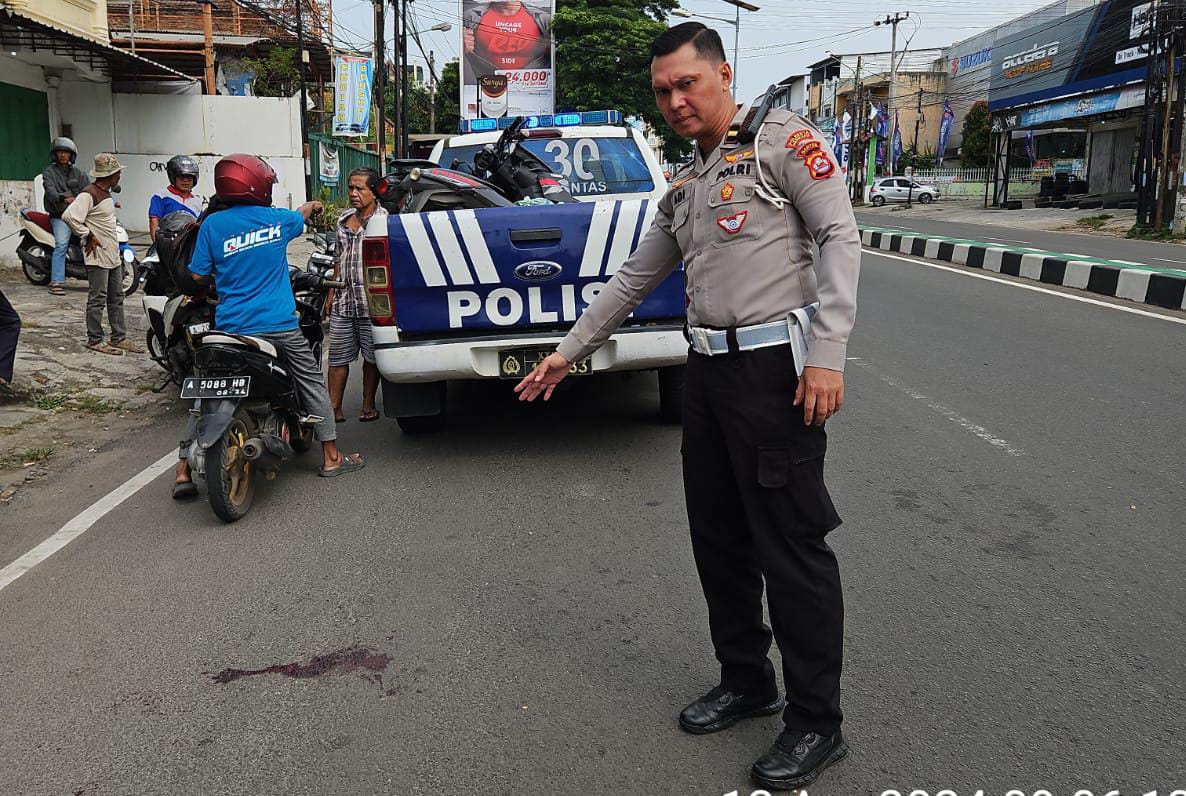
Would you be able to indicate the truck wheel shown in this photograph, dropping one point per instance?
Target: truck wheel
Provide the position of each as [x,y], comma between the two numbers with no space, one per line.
[671,393]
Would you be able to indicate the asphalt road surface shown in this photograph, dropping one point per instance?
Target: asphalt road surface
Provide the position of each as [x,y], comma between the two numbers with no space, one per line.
[511,607]
[998,232]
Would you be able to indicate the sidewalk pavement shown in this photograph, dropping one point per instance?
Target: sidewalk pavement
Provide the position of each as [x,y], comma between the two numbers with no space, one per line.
[65,397]
[1163,287]
[973,211]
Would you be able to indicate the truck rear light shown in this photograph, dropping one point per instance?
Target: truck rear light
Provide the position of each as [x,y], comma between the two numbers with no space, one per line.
[376,262]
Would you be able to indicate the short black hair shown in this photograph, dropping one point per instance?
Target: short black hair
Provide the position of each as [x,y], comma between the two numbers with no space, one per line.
[706,41]
[365,171]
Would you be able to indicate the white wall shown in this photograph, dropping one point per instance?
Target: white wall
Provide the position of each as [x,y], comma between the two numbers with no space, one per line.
[151,128]
[86,107]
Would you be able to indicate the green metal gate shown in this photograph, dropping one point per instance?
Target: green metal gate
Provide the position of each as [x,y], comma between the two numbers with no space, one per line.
[349,157]
[24,132]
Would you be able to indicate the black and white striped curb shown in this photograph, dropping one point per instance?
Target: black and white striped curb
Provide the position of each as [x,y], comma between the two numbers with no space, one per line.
[1163,287]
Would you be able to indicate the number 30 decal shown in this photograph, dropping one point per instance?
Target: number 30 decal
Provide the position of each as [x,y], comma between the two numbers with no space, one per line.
[583,151]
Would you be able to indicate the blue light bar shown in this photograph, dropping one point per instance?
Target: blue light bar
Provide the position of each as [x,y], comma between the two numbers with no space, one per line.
[544,120]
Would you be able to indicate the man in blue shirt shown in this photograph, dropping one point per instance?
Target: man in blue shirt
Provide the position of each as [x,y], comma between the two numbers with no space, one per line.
[243,251]
[178,194]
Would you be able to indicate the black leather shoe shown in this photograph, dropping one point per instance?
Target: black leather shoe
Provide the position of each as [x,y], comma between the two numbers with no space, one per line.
[797,758]
[720,709]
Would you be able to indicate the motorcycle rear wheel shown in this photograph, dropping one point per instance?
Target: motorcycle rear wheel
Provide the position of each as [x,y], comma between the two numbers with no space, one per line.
[230,477]
[34,274]
[130,280]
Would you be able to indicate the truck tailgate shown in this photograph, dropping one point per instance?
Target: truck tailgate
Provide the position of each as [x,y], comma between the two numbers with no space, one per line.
[530,268]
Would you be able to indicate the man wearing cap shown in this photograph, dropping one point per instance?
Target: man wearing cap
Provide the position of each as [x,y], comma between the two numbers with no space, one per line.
[742,217]
[91,216]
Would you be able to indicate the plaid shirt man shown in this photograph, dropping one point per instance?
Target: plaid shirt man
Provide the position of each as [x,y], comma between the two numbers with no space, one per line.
[351,301]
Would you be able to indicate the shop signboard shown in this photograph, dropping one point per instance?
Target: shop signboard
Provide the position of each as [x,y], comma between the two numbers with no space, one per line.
[1094,49]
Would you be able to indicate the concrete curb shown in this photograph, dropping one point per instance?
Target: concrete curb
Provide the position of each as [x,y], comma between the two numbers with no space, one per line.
[1162,287]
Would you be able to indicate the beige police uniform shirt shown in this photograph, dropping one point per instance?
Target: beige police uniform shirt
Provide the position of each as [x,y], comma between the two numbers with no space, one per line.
[746,260]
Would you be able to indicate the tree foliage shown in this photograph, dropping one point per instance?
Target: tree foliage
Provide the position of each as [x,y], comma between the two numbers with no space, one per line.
[603,60]
[276,73]
[448,98]
[977,130]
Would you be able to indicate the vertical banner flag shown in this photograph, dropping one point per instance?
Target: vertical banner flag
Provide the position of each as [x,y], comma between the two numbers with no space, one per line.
[352,95]
[508,54]
[846,126]
[944,132]
[896,145]
[329,169]
[1029,146]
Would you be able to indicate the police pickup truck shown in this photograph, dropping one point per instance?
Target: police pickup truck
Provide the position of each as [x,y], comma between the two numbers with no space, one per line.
[487,293]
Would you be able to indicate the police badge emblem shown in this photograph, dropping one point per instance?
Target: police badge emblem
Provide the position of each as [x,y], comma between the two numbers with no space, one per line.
[727,192]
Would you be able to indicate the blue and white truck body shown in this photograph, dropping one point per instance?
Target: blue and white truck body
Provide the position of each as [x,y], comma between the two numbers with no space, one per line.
[483,294]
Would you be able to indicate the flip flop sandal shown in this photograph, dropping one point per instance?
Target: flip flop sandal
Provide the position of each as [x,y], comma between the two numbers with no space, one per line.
[350,463]
[369,417]
[184,490]
[103,348]
[57,290]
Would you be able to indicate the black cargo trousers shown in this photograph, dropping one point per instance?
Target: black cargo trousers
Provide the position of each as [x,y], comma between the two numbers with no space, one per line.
[759,510]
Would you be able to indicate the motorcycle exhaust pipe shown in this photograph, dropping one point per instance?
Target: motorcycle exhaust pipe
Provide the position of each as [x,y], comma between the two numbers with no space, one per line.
[269,451]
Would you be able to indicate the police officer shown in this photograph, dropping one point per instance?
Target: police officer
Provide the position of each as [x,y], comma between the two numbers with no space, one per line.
[742,218]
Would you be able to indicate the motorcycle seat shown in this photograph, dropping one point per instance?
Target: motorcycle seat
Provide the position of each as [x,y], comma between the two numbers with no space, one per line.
[38,218]
[246,341]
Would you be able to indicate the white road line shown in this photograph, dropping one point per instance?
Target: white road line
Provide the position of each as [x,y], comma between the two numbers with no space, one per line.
[88,517]
[950,414]
[1035,288]
[1004,240]
[1163,259]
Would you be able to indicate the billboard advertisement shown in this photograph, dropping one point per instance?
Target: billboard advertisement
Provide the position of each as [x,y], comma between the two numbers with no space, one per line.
[507,66]
[352,95]
[1097,48]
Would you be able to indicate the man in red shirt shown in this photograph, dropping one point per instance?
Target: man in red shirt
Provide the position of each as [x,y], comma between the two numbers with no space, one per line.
[506,35]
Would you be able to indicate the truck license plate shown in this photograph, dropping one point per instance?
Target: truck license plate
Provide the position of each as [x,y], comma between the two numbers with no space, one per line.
[215,387]
[518,362]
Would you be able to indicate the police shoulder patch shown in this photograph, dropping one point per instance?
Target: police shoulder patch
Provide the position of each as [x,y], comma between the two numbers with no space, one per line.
[819,166]
[798,138]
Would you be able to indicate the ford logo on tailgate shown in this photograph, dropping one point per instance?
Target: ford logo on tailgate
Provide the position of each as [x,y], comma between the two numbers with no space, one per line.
[538,271]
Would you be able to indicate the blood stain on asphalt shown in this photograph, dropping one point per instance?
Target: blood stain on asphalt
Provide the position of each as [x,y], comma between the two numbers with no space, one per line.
[368,662]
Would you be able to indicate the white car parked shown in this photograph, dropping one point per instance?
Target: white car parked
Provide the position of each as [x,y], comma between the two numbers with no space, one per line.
[898,189]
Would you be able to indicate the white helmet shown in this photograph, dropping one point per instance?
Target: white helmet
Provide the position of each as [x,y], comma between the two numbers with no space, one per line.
[66,144]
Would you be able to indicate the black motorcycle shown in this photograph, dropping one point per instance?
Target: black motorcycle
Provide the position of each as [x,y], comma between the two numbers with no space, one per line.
[503,174]
[249,415]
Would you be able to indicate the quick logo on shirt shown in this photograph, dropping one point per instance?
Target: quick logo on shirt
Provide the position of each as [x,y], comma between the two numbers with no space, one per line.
[250,240]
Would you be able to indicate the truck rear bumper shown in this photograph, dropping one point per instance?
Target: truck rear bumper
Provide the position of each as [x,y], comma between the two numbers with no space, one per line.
[643,348]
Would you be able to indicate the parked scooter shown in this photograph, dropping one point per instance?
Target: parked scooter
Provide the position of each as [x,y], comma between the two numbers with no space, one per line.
[249,417]
[36,250]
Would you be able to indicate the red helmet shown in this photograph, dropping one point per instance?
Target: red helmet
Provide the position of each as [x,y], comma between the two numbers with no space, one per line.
[244,179]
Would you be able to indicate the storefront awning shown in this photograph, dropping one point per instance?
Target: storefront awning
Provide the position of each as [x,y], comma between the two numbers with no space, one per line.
[22,33]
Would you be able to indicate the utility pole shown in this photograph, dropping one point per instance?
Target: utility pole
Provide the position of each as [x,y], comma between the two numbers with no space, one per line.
[132,24]
[207,45]
[403,48]
[302,57]
[432,94]
[857,170]
[914,146]
[381,85]
[395,85]
[1146,157]
[893,22]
